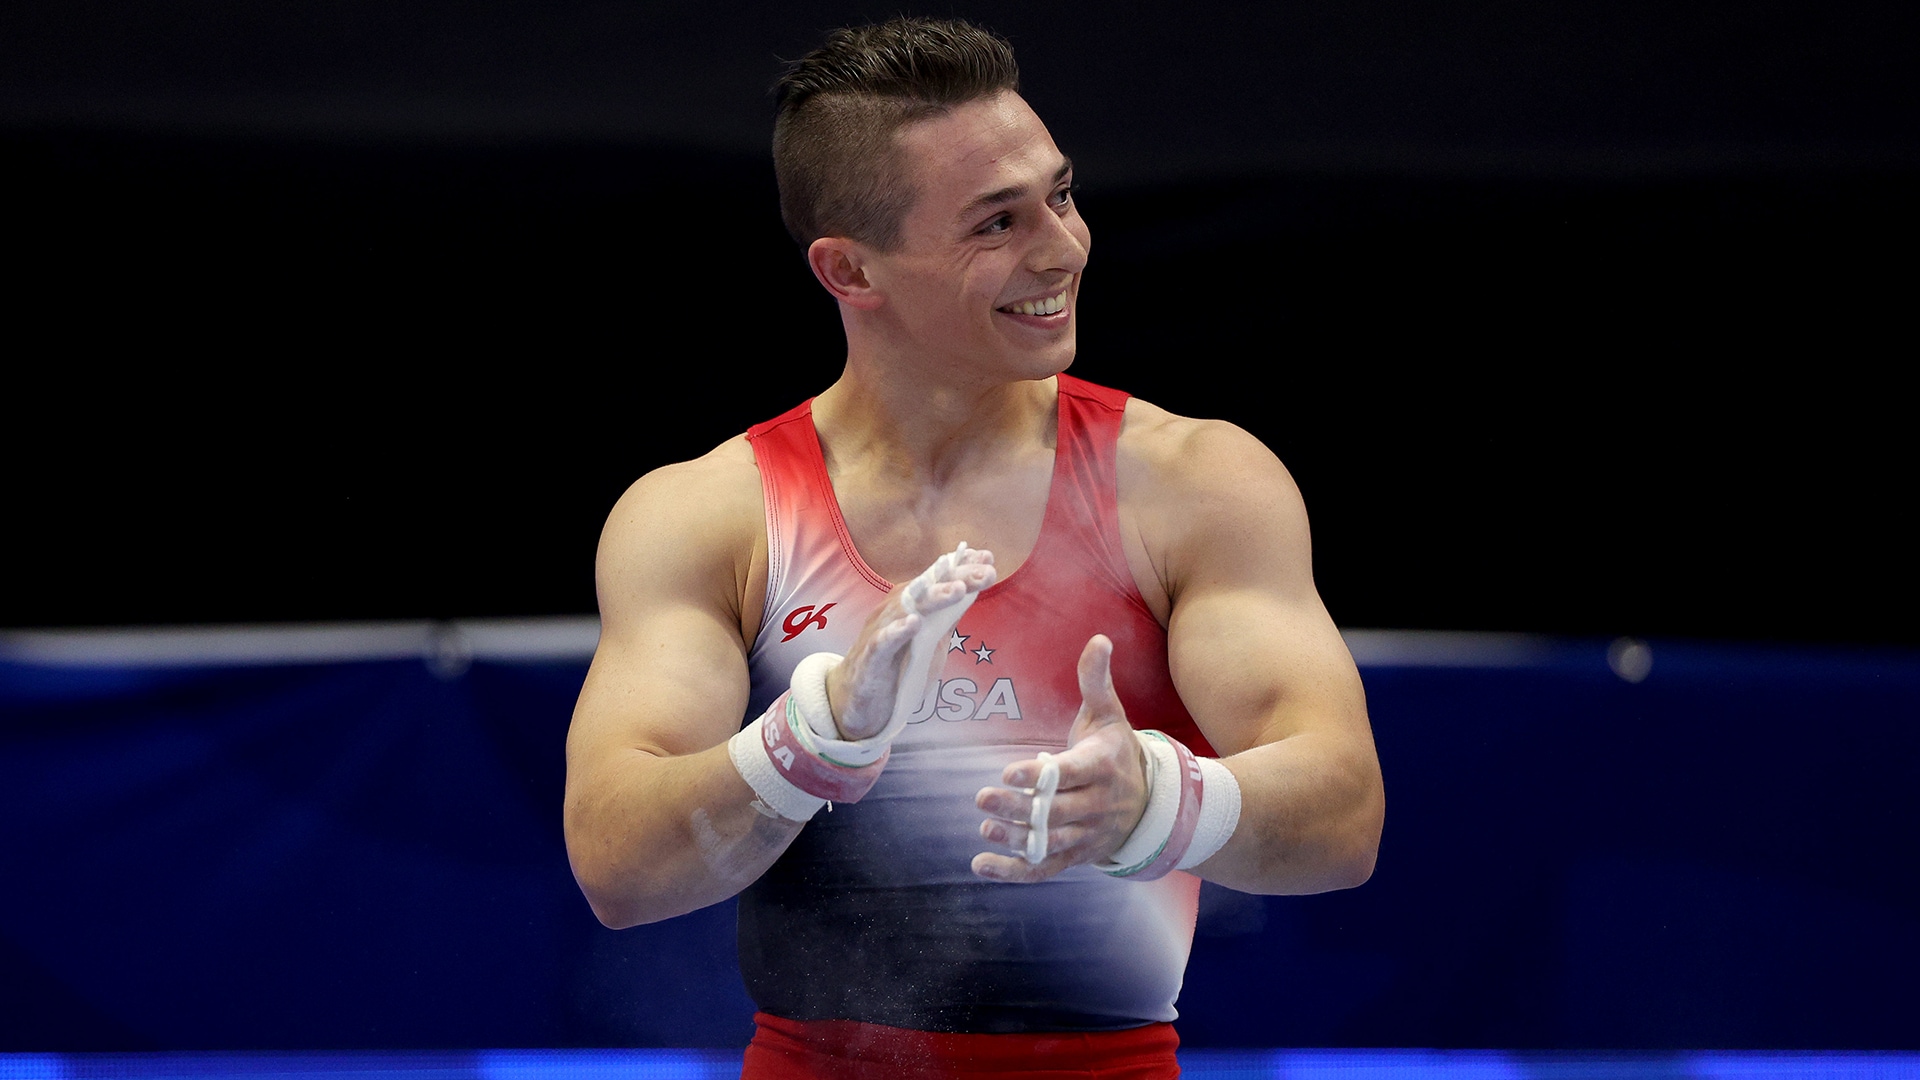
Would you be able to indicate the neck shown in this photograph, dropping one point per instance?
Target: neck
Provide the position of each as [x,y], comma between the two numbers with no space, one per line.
[928,428]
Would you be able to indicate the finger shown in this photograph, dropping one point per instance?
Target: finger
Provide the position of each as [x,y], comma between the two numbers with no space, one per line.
[973,557]
[1069,816]
[1005,804]
[940,594]
[964,567]
[885,648]
[955,582]
[896,633]
[1062,840]
[1076,770]
[962,559]
[1017,870]
[1096,675]
[861,691]
[1011,835]
[976,567]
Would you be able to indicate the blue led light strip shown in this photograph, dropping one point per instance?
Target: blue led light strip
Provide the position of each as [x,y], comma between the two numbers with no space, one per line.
[1195,1065]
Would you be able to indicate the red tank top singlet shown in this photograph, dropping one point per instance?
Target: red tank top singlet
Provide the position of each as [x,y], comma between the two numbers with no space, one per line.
[873,914]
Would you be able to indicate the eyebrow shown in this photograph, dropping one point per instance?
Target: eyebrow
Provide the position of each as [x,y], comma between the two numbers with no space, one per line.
[1007,194]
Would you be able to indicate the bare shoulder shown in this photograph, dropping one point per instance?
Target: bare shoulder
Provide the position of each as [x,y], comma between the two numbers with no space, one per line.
[1210,455]
[691,529]
[711,490]
[1198,491]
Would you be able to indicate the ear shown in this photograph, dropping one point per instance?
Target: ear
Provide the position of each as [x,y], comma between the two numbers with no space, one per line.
[840,265]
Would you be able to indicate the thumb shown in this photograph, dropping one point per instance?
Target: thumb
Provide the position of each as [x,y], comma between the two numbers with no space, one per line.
[1099,705]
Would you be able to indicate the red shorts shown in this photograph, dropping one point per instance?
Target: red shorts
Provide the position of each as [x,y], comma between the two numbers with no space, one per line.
[848,1050]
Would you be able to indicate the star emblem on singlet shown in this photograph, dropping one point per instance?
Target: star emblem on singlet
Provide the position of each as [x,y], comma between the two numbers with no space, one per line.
[956,640]
[983,654]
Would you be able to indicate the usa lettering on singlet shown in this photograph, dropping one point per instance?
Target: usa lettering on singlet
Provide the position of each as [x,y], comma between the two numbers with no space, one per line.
[873,913]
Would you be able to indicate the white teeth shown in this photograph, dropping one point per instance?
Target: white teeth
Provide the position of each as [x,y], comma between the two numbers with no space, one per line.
[1048,306]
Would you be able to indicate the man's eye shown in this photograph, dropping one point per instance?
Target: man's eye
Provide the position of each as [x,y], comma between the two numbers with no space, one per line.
[1065,194]
[997,225]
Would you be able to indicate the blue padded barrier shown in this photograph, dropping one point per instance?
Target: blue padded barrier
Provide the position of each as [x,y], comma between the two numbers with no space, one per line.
[363,852]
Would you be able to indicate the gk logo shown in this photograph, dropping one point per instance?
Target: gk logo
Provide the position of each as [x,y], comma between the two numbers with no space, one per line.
[799,619]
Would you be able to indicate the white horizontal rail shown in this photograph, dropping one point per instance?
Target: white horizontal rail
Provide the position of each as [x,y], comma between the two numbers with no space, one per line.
[566,638]
[526,640]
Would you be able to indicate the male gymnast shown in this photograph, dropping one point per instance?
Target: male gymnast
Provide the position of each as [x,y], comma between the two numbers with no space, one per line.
[1020,659]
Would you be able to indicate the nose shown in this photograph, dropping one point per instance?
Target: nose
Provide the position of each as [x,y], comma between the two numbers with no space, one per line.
[1064,244]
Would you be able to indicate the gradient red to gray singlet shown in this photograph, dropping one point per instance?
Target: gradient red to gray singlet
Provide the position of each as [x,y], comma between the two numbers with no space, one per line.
[873,915]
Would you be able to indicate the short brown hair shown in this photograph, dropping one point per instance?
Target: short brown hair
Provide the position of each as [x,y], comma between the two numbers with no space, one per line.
[835,152]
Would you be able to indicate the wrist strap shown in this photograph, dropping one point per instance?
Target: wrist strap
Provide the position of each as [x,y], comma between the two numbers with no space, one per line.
[815,726]
[1193,806]
[1219,813]
[791,781]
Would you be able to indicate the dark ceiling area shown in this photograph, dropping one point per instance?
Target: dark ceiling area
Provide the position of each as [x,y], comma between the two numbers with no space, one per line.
[1567,318]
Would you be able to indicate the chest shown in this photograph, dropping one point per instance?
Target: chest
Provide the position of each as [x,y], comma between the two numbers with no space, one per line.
[899,524]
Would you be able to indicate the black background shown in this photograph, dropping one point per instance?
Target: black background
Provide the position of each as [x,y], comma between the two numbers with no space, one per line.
[1570,318]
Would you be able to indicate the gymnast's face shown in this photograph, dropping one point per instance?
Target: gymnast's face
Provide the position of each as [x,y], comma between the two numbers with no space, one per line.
[986,277]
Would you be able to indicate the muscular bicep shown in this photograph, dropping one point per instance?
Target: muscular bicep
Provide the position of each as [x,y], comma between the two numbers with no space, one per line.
[658,821]
[1254,653]
[670,683]
[669,676]
[1255,667]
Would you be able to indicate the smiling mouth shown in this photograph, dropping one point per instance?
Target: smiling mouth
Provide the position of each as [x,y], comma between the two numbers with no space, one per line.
[1048,306]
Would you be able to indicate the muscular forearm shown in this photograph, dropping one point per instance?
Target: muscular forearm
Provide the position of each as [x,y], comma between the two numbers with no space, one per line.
[652,837]
[1310,817]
